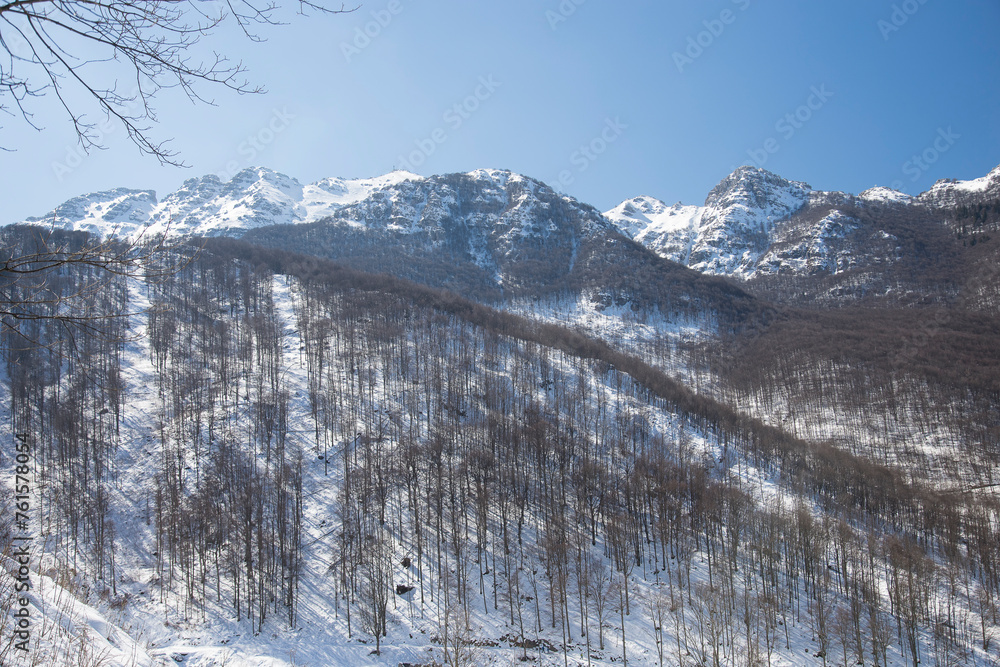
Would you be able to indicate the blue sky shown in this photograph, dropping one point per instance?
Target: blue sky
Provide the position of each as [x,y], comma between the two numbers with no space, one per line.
[603,100]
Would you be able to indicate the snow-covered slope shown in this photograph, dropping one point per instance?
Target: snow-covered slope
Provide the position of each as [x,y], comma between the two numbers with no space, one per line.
[163,612]
[726,236]
[488,229]
[755,223]
[951,192]
[120,211]
[883,195]
[206,206]
[668,230]
[66,631]
[814,249]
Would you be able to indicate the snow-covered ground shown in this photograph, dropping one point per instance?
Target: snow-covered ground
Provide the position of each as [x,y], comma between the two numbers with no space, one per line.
[145,625]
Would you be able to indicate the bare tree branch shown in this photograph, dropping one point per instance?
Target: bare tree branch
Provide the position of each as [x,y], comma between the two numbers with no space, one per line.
[49,48]
[69,279]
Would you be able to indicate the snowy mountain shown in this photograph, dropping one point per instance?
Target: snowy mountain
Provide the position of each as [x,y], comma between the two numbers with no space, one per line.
[951,192]
[728,234]
[887,196]
[495,236]
[206,206]
[119,211]
[496,224]
[274,459]
[491,233]
[739,220]
[499,229]
[668,230]
[760,228]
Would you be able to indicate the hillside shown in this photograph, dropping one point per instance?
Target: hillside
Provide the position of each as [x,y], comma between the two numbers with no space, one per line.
[465,419]
[280,460]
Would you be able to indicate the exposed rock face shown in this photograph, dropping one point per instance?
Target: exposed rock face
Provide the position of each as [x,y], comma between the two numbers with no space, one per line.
[729,234]
[760,228]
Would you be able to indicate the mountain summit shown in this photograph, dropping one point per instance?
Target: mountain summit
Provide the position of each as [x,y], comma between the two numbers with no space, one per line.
[755,225]
[725,236]
[491,232]
[207,206]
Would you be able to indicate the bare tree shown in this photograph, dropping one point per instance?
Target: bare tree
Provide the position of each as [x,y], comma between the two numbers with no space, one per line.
[66,48]
[73,280]
[658,607]
[376,572]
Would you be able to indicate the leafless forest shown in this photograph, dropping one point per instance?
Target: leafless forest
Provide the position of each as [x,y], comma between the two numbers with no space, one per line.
[557,484]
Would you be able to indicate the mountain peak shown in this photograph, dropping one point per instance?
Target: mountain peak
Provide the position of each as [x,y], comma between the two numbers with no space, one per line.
[209,206]
[725,236]
[994,176]
[754,185]
[952,192]
[502,175]
[883,195]
[121,210]
[252,175]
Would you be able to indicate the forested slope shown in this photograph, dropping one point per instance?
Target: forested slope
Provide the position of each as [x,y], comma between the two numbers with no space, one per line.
[277,456]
